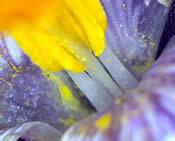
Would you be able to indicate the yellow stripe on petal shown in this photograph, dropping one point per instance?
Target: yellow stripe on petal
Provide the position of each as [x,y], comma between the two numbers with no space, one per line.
[54,38]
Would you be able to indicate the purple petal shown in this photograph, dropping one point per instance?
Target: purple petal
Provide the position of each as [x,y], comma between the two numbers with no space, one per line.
[134,31]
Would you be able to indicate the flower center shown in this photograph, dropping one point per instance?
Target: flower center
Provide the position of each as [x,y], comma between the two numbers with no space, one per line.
[11,10]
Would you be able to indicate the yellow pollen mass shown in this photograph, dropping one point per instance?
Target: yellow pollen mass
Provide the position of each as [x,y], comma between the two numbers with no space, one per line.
[104,121]
[51,32]
[124,6]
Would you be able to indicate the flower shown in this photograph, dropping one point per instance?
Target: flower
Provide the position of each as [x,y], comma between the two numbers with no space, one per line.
[121,65]
[52,32]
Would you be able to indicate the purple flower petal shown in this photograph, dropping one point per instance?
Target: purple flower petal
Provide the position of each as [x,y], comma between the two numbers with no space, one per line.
[134,31]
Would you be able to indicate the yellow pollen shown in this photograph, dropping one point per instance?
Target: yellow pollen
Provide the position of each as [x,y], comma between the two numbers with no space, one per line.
[153,44]
[124,6]
[143,36]
[104,121]
[108,60]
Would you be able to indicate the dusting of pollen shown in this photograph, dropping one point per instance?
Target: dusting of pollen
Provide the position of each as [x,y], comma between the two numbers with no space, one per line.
[124,6]
[103,122]
[11,66]
[18,81]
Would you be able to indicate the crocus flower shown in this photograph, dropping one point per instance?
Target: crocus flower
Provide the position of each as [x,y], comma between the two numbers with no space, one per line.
[52,31]
[105,78]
